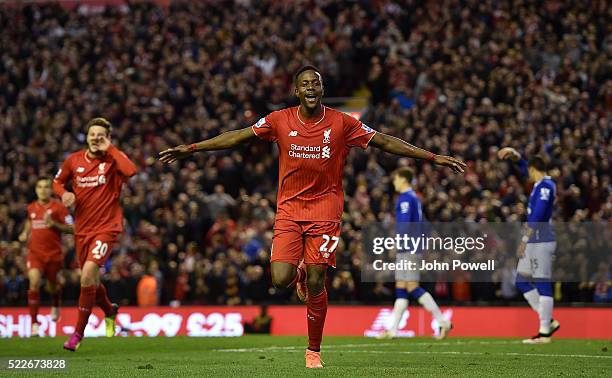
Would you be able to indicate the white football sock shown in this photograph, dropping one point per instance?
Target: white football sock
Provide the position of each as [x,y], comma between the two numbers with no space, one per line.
[533,298]
[546,308]
[427,301]
[399,307]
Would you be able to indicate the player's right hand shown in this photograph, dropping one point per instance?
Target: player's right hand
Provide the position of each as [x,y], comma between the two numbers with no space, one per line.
[68,199]
[176,153]
[508,153]
[103,143]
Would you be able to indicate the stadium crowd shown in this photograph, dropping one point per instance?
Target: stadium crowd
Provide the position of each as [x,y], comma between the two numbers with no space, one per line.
[455,77]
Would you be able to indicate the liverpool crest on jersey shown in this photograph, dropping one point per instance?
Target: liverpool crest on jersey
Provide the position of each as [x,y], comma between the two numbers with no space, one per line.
[327,136]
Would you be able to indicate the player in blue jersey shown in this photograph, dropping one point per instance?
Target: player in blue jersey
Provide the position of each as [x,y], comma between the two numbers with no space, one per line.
[409,219]
[538,244]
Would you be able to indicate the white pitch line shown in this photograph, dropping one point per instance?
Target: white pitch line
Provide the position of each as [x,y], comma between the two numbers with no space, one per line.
[477,353]
[273,348]
[373,344]
[295,348]
[555,355]
[251,350]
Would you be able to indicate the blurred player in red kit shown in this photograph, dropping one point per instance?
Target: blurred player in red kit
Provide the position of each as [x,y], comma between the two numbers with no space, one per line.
[47,220]
[96,175]
[313,142]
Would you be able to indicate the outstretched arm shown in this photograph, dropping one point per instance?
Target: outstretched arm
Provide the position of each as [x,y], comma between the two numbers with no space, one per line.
[226,140]
[397,146]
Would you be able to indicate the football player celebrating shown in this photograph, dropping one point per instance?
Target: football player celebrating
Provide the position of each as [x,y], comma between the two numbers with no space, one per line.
[97,175]
[313,141]
[47,220]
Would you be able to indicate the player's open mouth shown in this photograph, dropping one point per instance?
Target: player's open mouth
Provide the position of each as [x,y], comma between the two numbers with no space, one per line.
[311,98]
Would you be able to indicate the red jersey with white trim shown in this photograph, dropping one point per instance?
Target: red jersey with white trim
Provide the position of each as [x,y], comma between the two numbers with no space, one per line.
[311,162]
[45,241]
[96,183]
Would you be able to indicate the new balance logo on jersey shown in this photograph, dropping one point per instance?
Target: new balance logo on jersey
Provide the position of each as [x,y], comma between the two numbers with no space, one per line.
[293,133]
[101,168]
[80,170]
[326,153]
[326,136]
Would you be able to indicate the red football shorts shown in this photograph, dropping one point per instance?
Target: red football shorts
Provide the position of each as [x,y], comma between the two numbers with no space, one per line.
[48,266]
[94,247]
[316,242]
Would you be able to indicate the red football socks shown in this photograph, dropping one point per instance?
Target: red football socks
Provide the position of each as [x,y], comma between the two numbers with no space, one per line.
[316,311]
[102,300]
[300,276]
[87,300]
[33,303]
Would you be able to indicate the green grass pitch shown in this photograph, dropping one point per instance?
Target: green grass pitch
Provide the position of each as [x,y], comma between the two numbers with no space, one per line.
[265,356]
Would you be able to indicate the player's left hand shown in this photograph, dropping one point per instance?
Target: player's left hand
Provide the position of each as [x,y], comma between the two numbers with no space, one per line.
[455,164]
[520,253]
[176,153]
[103,143]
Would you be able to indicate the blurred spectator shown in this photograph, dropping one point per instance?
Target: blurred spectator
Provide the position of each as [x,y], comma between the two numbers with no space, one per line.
[255,285]
[13,286]
[343,287]
[147,293]
[116,287]
[602,283]
[262,323]
[506,277]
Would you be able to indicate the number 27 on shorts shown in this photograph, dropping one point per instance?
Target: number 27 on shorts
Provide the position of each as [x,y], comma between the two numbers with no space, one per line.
[326,248]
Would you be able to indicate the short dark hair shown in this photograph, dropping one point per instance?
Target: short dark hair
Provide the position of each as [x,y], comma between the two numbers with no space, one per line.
[404,172]
[303,69]
[538,162]
[100,121]
[43,178]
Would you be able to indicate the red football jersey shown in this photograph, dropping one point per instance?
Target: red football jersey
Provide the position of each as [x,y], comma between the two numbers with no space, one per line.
[46,241]
[311,161]
[96,184]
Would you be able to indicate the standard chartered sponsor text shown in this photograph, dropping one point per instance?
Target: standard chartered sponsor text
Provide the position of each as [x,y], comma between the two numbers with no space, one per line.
[301,152]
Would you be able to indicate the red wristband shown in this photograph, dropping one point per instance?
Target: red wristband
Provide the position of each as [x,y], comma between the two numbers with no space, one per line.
[431,156]
[193,147]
